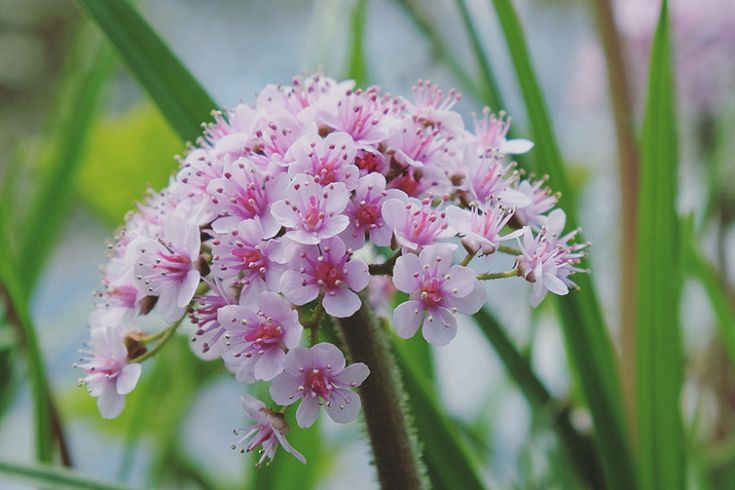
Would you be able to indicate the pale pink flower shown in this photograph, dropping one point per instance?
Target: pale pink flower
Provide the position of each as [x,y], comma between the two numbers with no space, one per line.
[107,373]
[415,145]
[318,376]
[547,260]
[370,161]
[415,223]
[198,169]
[233,134]
[330,270]
[432,108]
[360,114]
[437,290]
[268,431]
[302,98]
[274,137]
[246,255]
[482,225]
[541,201]
[327,160]
[118,304]
[310,212]
[491,133]
[209,332]
[258,339]
[365,212]
[246,192]
[168,268]
[489,178]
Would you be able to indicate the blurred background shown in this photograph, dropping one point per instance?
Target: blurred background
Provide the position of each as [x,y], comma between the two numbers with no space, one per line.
[176,429]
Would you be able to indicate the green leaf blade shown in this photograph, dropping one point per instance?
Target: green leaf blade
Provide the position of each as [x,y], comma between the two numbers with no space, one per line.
[659,350]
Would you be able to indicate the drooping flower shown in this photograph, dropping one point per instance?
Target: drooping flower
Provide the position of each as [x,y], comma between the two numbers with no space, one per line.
[318,376]
[482,225]
[328,160]
[437,291]
[310,212]
[415,223]
[548,259]
[364,211]
[258,339]
[246,192]
[167,268]
[329,270]
[247,256]
[107,373]
[268,432]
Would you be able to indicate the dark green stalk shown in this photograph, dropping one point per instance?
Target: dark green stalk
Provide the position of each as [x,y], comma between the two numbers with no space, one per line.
[395,455]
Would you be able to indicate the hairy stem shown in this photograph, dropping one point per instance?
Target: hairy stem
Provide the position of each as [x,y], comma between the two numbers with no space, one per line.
[498,275]
[386,268]
[395,455]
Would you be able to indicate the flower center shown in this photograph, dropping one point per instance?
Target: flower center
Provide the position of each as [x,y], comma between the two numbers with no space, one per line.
[251,257]
[431,293]
[368,162]
[313,215]
[267,332]
[367,215]
[327,275]
[173,265]
[317,383]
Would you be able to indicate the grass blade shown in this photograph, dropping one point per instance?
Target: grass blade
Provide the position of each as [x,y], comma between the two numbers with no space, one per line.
[357,69]
[579,449]
[659,368]
[174,90]
[588,343]
[46,475]
[77,101]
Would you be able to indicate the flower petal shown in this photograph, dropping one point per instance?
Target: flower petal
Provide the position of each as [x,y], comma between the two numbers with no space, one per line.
[440,327]
[407,318]
[307,412]
[128,378]
[341,303]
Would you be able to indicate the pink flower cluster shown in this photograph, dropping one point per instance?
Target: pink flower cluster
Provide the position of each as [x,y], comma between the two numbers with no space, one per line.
[271,221]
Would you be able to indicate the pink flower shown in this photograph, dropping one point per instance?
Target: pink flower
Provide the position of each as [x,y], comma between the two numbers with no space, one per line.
[204,317]
[364,212]
[481,225]
[246,192]
[330,270]
[108,375]
[415,223]
[234,134]
[310,212]
[491,132]
[434,109]
[360,114]
[167,267]
[415,145]
[541,201]
[437,290]
[489,178]
[327,160]
[548,259]
[318,376]
[245,255]
[117,305]
[268,431]
[258,339]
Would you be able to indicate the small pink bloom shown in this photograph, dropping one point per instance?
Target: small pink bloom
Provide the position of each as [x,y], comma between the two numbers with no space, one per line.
[437,291]
[541,201]
[108,375]
[318,376]
[246,255]
[491,132]
[268,431]
[489,178]
[204,316]
[310,212]
[359,113]
[548,259]
[258,339]
[330,270]
[415,223]
[327,160]
[364,212]
[117,305]
[414,145]
[481,225]
[432,108]
[246,192]
[167,267]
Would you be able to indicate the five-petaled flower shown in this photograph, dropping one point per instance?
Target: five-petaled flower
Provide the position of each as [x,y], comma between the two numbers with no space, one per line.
[318,376]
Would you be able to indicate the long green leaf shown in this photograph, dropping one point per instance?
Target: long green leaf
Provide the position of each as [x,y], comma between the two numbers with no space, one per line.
[659,351]
[578,448]
[177,93]
[357,69]
[448,460]
[723,309]
[87,69]
[587,341]
[47,475]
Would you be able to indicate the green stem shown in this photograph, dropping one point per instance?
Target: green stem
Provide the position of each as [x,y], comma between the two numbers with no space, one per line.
[164,335]
[386,268]
[509,250]
[498,275]
[468,258]
[395,455]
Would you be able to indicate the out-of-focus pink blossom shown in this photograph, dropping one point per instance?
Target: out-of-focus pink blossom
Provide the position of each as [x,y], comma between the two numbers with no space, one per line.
[415,223]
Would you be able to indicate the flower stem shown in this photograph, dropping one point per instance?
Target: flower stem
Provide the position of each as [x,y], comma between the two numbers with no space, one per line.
[498,275]
[164,335]
[395,454]
[386,268]
[509,250]
[468,258]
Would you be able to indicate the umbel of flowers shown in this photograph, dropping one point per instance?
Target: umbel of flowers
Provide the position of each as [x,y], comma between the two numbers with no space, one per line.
[268,227]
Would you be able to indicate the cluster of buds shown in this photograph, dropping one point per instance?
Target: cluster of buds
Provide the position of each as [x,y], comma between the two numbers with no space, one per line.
[268,226]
